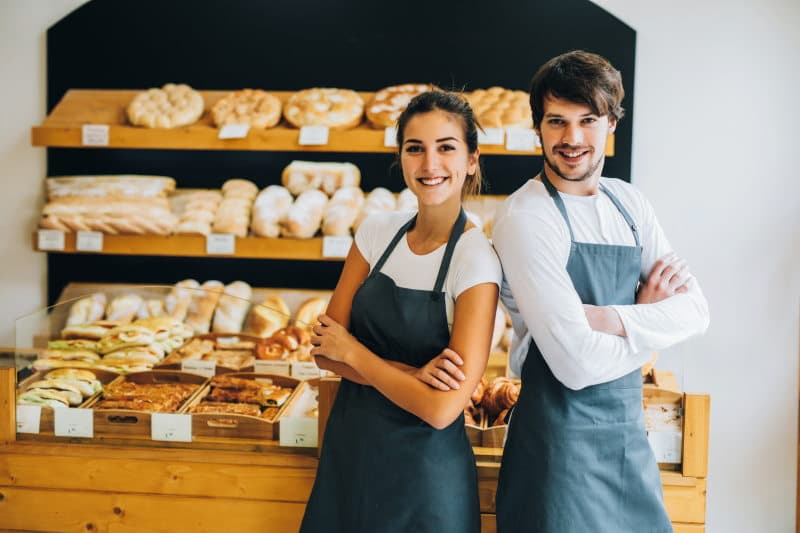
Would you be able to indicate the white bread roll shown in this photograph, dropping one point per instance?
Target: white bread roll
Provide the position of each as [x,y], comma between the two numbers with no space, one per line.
[305,216]
[87,309]
[232,308]
[202,306]
[301,176]
[270,206]
[176,304]
[309,310]
[123,308]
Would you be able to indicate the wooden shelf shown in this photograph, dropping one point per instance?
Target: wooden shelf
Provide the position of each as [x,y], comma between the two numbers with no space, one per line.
[195,246]
[63,128]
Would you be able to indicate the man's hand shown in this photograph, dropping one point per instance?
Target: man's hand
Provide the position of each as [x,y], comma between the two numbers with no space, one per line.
[667,278]
[442,372]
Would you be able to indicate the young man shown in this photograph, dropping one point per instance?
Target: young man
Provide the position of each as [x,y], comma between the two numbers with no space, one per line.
[593,287]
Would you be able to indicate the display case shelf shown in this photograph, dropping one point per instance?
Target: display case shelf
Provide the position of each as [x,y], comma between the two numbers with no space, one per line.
[64,128]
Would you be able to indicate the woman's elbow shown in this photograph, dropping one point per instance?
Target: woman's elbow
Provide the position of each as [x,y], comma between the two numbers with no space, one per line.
[441,418]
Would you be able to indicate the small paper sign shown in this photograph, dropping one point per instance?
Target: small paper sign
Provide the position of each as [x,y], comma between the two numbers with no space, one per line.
[520,140]
[667,445]
[28,418]
[305,370]
[491,136]
[171,427]
[202,368]
[313,136]
[336,246]
[279,368]
[220,244]
[390,137]
[234,131]
[89,241]
[71,422]
[94,135]
[299,432]
[50,239]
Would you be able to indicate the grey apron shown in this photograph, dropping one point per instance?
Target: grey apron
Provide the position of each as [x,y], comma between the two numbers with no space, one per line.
[382,468]
[579,461]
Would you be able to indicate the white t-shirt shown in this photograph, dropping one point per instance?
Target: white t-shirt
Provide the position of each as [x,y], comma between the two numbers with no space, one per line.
[474,260]
[533,243]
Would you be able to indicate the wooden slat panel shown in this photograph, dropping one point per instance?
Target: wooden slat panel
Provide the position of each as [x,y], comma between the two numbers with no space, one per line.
[488,523]
[686,503]
[689,528]
[8,415]
[487,485]
[79,107]
[158,477]
[696,416]
[55,510]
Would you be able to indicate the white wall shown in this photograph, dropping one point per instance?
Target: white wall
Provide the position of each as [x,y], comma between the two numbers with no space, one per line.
[715,150]
[23,90]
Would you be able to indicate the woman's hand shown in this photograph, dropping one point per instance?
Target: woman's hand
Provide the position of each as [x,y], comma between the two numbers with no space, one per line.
[442,372]
[332,340]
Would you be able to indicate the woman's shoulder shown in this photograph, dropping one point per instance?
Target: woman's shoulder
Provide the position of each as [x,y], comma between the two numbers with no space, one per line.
[474,248]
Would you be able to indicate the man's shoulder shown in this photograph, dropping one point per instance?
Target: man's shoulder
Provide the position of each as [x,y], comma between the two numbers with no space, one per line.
[530,198]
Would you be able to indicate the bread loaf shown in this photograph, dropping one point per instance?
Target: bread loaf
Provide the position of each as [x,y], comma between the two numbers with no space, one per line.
[202,306]
[301,176]
[87,309]
[232,308]
[177,301]
[309,310]
[270,206]
[304,217]
[268,317]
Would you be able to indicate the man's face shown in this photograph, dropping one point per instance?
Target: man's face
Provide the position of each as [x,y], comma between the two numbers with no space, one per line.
[573,139]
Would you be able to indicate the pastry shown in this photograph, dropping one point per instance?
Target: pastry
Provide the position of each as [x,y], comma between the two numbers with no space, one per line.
[386,105]
[341,212]
[125,337]
[309,310]
[501,394]
[176,304]
[304,216]
[497,107]
[171,106]
[152,307]
[334,108]
[232,308]
[270,206]
[202,305]
[72,344]
[301,176]
[94,330]
[480,390]
[87,309]
[378,200]
[255,107]
[210,407]
[124,308]
[268,317]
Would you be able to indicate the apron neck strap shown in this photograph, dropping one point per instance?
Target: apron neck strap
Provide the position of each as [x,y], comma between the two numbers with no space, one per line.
[624,213]
[458,229]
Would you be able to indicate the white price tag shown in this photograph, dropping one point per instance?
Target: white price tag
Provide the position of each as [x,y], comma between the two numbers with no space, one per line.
[491,136]
[667,445]
[94,135]
[520,140]
[28,418]
[220,244]
[50,239]
[305,370]
[279,368]
[171,427]
[299,432]
[390,137]
[234,131]
[313,136]
[71,422]
[89,241]
[336,246]
[202,368]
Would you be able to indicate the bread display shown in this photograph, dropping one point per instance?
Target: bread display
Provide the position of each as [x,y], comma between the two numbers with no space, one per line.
[65,387]
[232,308]
[341,211]
[233,213]
[333,108]
[301,176]
[124,308]
[202,306]
[197,211]
[289,344]
[150,397]
[267,317]
[303,219]
[255,107]
[269,208]
[177,302]
[87,309]
[385,107]
[497,107]
[171,106]
[110,204]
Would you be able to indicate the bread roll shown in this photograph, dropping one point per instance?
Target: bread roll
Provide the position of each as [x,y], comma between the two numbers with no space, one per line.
[301,176]
[177,301]
[151,308]
[87,309]
[305,216]
[338,219]
[123,308]
[269,208]
[232,308]
[202,305]
[268,317]
[309,310]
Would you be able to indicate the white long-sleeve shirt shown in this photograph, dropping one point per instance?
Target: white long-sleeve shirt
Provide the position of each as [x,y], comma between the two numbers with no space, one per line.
[533,243]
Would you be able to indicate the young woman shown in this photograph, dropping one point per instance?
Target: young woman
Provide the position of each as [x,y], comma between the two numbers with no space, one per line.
[414,306]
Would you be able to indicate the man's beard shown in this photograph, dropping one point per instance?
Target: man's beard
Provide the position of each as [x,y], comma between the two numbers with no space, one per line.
[589,173]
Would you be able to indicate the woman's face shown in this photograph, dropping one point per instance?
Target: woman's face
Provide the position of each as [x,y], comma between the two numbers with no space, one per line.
[435,158]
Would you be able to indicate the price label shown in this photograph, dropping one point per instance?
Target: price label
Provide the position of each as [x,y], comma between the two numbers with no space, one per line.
[520,140]
[667,445]
[50,239]
[89,241]
[305,370]
[299,431]
[491,136]
[94,135]
[279,368]
[336,246]
[202,368]
[28,418]
[171,427]
[390,137]
[234,131]
[73,422]
[220,244]
[313,136]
